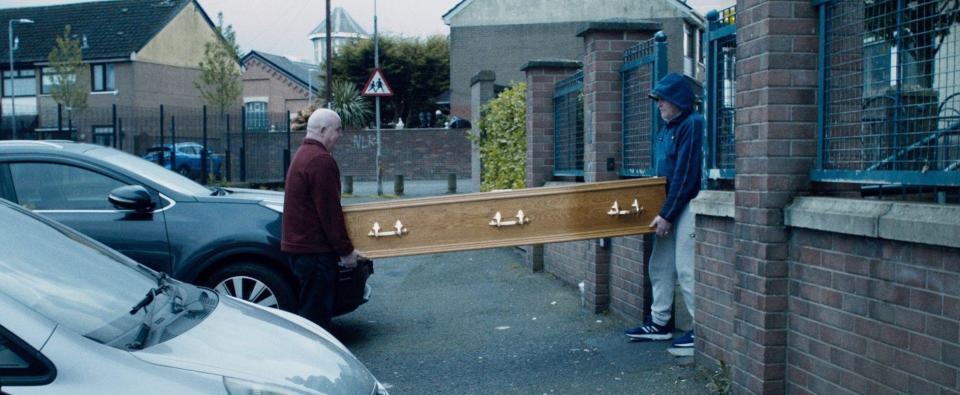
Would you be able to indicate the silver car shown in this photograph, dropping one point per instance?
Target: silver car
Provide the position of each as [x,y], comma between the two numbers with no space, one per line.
[78,318]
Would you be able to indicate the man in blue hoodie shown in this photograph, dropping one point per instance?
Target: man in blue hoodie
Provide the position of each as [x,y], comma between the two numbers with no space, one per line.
[677,149]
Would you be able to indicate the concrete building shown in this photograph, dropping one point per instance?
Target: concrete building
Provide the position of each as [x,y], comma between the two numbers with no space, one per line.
[343,30]
[502,36]
[142,53]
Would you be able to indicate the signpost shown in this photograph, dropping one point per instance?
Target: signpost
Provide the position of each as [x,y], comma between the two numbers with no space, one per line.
[377,86]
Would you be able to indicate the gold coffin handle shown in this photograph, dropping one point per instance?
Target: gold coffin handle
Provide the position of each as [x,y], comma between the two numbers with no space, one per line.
[521,219]
[398,230]
[635,209]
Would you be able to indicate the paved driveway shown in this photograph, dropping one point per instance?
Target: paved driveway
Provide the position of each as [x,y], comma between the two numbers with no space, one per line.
[480,322]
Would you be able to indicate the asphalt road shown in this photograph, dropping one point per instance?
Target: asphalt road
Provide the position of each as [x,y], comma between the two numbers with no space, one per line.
[480,322]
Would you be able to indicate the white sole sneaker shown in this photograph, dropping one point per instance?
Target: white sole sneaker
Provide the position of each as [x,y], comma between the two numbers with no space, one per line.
[653,337]
[681,352]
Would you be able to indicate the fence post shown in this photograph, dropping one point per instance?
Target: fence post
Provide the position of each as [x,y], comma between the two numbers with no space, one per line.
[286,152]
[160,154]
[226,155]
[60,118]
[659,71]
[204,167]
[119,133]
[452,183]
[113,117]
[348,185]
[711,104]
[173,143]
[398,185]
[243,144]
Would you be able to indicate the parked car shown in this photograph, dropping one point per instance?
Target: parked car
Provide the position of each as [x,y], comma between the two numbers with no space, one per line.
[227,239]
[79,318]
[188,159]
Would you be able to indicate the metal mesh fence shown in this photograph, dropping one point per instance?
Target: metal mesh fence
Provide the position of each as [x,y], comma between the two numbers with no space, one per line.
[638,74]
[721,94]
[891,108]
[568,126]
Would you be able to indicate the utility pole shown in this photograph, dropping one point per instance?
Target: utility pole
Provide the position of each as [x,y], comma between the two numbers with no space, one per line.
[376,65]
[329,59]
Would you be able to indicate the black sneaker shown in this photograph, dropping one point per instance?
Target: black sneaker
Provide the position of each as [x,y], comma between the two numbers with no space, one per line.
[649,331]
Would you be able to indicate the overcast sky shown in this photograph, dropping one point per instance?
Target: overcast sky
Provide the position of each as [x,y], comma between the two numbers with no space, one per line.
[281,26]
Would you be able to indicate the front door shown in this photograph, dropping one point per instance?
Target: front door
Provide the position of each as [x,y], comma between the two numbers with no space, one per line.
[77,197]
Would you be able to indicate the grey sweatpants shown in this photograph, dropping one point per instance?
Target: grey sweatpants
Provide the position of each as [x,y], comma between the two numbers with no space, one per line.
[672,260]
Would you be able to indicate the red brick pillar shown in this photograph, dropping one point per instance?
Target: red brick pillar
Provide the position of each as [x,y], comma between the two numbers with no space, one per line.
[775,144]
[542,76]
[602,92]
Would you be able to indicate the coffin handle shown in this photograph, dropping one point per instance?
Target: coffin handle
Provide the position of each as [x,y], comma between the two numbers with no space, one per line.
[635,209]
[521,219]
[398,230]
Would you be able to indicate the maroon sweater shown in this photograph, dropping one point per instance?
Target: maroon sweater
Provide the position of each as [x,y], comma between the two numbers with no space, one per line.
[312,215]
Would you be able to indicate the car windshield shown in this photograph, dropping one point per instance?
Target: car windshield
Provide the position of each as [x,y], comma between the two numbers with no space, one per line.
[150,170]
[69,279]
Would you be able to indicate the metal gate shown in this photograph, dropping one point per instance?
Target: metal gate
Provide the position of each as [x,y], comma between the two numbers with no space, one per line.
[720,42]
[643,65]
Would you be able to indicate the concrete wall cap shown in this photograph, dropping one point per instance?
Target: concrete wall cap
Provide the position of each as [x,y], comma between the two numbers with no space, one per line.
[483,75]
[552,64]
[935,224]
[631,25]
[848,216]
[714,204]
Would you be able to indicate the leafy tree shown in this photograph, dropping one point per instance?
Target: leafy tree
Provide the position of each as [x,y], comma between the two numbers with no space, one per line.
[66,60]
[417,70]
[503,141]
[219,80]
[349,104]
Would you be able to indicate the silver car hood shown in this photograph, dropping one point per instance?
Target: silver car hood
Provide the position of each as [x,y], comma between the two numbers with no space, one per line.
[249,342]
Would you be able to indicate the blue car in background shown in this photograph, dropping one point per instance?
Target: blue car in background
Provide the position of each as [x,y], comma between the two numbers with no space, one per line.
[188,159]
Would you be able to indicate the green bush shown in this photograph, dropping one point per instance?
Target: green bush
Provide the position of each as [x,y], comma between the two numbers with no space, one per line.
[503,140]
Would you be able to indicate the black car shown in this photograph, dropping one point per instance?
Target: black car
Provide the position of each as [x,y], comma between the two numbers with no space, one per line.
[227,239]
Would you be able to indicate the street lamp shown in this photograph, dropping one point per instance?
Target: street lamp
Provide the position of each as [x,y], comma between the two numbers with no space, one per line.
[310,86]
[13,95]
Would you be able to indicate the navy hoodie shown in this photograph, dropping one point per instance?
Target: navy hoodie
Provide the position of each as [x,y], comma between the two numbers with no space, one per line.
[678,146]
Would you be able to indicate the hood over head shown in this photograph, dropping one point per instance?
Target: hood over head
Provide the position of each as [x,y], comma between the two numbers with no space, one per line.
[675,89]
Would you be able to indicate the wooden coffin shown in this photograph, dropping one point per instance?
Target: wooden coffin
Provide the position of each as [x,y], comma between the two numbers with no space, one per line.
[507,218]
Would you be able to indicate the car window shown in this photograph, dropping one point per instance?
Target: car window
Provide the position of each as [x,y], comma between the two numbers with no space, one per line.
[150,170]
[189,150]
[20,364]
[69,279]
[54,186]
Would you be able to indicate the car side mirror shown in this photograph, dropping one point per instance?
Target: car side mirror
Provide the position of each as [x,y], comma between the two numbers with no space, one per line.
[131,197]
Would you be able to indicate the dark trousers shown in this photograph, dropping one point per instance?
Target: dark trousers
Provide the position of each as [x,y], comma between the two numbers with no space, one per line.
[317,274]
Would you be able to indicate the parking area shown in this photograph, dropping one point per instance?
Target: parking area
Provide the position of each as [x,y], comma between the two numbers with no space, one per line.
[479,322]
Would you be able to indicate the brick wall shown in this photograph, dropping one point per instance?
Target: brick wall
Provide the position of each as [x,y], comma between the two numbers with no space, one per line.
[542,77]
[567,261]
[629,283]
[872,316]
[715,279]
[417,154]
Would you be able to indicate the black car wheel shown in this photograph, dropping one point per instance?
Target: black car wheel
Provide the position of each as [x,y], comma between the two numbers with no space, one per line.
[254,283]
[184,171]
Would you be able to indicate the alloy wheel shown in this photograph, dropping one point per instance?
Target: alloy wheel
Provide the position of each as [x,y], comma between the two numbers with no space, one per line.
[249,289]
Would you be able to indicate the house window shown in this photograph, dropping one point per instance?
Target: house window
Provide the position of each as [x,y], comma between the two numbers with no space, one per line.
[103,135]
[257,115]
[24,83]
[691,50]
[48,79]
[103,77]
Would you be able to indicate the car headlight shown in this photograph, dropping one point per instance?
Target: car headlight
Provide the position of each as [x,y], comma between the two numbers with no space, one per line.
[243,387]
[275,206]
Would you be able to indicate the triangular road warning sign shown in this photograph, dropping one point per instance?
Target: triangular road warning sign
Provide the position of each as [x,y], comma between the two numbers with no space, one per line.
[377,85]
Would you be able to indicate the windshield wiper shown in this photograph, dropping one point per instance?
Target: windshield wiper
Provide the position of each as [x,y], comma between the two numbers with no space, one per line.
[219,191]
[163,286]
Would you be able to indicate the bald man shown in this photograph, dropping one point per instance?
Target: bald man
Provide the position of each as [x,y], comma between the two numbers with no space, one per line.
[314,233]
